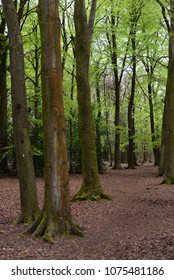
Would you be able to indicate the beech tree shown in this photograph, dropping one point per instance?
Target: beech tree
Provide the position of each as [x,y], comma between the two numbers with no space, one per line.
[31,44]
[135,12]
[55,217]
[25,167]
[150,64]
[91,187]
[167,139]
[114,23]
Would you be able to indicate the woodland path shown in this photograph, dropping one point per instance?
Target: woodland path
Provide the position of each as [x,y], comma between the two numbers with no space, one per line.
[137,224]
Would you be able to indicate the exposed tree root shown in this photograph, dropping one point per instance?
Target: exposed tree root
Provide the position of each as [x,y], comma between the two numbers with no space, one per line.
[27,219]
[47,227]
[90,194]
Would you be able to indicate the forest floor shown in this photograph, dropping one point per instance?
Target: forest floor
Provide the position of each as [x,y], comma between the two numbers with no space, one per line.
[138,223]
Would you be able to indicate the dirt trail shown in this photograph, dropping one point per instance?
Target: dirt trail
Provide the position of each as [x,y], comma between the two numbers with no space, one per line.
[137,224]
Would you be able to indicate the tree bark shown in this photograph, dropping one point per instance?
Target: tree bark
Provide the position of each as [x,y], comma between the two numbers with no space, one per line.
[91,187]
[166,167]
[108,150]
[131,107]
[56,215]
[25,167]
[99,151]
[117,83]
[156,150]
[134,17]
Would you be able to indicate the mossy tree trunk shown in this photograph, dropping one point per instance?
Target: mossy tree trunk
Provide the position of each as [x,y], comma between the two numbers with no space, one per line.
[166,167]
[25,167]
[91,187]
[55,217]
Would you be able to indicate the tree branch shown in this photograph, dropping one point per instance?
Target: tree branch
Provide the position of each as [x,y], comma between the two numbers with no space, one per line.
[21,9]
[92,16]
[164,14]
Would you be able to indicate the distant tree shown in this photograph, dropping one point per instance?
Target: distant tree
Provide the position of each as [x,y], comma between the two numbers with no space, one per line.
[135,12]
[98,75]
[25,167]
[150,65]
[91,187]
[114,22]
[32,47]
[3,96]
[55,217]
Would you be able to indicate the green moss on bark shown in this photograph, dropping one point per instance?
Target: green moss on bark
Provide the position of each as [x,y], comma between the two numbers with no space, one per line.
[48,226]
[27,218]
[168,181]
[90,193]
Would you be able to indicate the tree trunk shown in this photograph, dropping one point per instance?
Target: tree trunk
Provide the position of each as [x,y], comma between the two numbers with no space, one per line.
[108,150]
[131,133]
[108,140]
[156,150]
[131,108]
[25,167]
[149,68]
[98,123]
[71,153]
[118,75]
[91,187]
[117,154]
[134,17]
[37,115]
[3,100]
[167,147]
[56,216]
[117,83]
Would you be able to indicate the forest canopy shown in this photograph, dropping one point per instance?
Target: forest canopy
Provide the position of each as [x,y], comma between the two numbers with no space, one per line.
[113,32]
